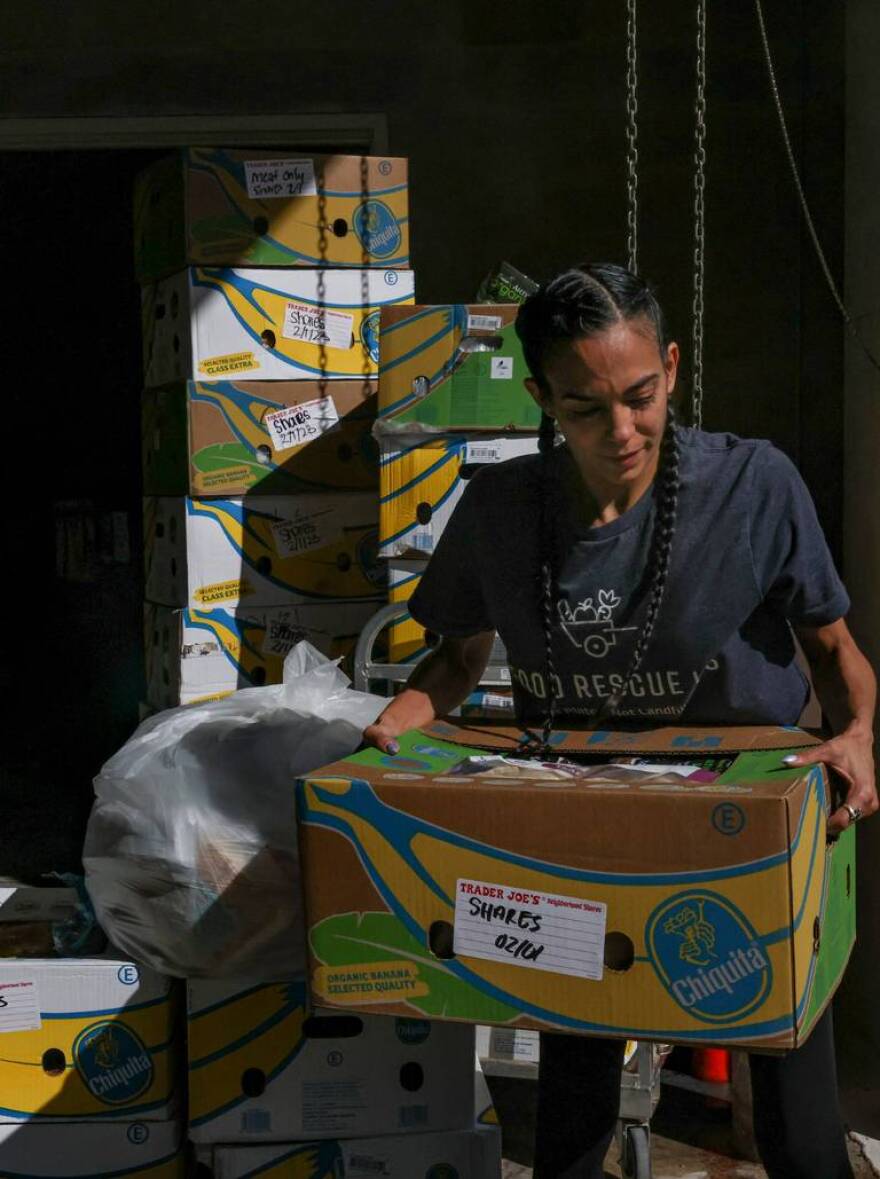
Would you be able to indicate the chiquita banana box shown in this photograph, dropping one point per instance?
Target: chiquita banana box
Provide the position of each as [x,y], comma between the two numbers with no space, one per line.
[690,898]
[211,323]
[93,1150]
[406,637]
[207,653]
[453,367]
[87,1039]
[263,1068]
[259,437]
[421,481]
[265,551]
[461,1154]
[212,206]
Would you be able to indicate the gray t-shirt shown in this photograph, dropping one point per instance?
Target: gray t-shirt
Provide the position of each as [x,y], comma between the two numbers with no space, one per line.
[749,560]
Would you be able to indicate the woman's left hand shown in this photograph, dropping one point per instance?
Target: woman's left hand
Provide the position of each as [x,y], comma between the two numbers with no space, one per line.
[850,756]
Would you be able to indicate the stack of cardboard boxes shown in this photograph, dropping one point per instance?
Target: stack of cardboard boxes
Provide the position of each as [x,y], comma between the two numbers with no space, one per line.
[451,399]
[91,1049]
[263,279]
[274,1088]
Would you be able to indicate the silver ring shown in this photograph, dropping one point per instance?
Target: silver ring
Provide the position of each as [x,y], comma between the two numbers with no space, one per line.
[854,812]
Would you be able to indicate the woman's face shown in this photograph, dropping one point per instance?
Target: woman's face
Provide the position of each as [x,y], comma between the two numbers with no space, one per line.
[608,394]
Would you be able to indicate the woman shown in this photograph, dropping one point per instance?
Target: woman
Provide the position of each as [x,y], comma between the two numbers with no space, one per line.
[655,574]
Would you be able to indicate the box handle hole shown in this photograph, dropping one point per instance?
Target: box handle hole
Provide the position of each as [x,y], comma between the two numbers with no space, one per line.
[253,1082]
[440,939]
[54,1062]
[619,951]
[412,1076]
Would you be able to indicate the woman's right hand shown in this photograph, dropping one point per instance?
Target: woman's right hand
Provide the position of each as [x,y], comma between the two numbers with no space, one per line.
[381,737]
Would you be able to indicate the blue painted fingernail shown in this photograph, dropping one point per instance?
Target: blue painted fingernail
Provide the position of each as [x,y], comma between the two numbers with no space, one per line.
[392,747]
[789,759]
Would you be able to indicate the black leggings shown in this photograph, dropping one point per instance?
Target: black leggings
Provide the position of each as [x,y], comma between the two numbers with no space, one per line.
[797,1122]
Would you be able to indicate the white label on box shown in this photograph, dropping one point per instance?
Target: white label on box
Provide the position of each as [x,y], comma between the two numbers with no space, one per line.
[541,930]
[482,452]
[502,368]
[333,1105]
[19,1006]
[303,531]
[360,1163]
[297,424]
[317,325]
[493,700]
[279,178]
[282,635]
[484,323]
[514,1044]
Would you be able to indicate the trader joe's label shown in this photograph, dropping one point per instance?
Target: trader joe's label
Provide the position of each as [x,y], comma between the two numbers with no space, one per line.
[317,325]
[303,530]
[19,1005]
[297,424]
[274,179]
[541,930]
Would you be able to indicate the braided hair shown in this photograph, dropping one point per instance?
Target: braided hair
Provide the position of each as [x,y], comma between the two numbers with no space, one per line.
[577,304]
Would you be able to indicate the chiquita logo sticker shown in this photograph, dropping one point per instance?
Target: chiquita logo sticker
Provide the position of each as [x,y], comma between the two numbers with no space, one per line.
[708,956]
[370,335]
[113,1062]
[377,229]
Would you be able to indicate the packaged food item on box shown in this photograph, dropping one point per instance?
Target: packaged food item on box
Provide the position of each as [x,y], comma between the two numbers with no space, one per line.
[99,1150]
[732,924]
[203,654]
[208,324]
[265,551]
[453,367]
[86,1039]
[505,284]
[259,437]
[262,1068]
[422,480]
[213,206]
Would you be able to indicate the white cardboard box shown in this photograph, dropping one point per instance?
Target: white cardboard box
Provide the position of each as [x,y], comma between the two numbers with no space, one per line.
[20,902]
[421,480]
[207,653]
[260,1070]
[86,1039]
[458,1154]
[267,325]
[265,551]
[92,1149]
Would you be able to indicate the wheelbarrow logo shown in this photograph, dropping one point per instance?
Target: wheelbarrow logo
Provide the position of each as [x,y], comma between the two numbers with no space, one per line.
[708,957]
[590,626]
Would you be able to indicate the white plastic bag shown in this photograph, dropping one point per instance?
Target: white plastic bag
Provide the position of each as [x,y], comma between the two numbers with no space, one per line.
[190,854]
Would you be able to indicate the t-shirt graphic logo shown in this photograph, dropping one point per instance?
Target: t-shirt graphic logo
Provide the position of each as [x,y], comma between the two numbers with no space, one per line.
[591,626]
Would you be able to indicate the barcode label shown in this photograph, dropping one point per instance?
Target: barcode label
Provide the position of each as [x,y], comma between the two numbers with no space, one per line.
[493,700]
[362,1165]
[484,323]
[256,1121]
[476,452]
[422,540]
[412,1115]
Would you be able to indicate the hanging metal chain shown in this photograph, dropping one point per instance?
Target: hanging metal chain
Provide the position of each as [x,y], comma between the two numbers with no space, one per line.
[321,285]
[632,153]
[805,209]
[699,219]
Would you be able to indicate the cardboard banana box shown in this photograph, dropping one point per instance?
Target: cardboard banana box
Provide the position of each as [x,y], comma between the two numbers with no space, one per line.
[93,1150]
[209,323]
[213,206]
[259,437]
[451,367]
[86,1039]
[688,905]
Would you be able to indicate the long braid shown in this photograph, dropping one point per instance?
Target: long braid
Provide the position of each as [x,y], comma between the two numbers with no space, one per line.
[662,534]
[546,443]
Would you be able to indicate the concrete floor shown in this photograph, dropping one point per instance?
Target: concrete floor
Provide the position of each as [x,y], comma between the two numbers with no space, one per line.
[689,1139]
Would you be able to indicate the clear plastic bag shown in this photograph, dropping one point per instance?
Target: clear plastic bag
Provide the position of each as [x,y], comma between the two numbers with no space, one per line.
[190,854]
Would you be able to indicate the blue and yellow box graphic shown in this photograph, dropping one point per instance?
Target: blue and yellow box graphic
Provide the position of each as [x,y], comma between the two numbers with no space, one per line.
[213,323]
[264,1067]
[698,911]
[259,437]
[451,367]
[421,481]
[95,1041]
[264,551]
[211,206]
[195,655]
[406,637]
[93,1150]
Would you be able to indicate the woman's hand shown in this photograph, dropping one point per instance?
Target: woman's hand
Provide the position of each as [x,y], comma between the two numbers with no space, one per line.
[851,757]
[382,737]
